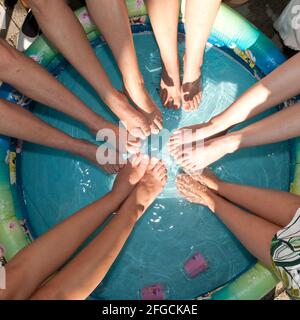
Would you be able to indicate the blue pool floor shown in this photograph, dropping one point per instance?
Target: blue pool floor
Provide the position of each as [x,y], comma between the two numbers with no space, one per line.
[56,184]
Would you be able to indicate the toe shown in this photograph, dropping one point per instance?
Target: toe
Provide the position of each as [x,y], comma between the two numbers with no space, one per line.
[138,133]
[192,106]
[158,122]
[135,160]
[133,141]
[145,159]
[177,103]
[162,171]
[198,98]
[163,96]
[117,168]
[159,164]
[164,180]
[173,149]
[180,155]
[154,128]
[195,103]
[152,163]
[175,139]
[147,130]
[186,106]
[133,149]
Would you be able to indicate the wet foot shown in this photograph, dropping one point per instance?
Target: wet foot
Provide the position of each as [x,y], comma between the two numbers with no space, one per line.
[170,88]
[134,121]
[139,96]
[192,190]
[130,175]
[208,178]
[191,90]
[117,137]
[149,187]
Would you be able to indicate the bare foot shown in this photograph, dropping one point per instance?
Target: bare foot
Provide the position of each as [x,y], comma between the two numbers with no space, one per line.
[197,156]
[207,178]
[192,190]
[133,120]
[138,95]
[150,186]
[130,175]
[118,137]
[170,88]
[190,134]
[191,90]
[107,159]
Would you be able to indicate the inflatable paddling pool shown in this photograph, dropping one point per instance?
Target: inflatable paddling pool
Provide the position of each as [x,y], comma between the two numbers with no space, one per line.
[178,250]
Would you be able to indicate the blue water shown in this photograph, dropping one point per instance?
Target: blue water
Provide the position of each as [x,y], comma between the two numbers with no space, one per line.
[56,185]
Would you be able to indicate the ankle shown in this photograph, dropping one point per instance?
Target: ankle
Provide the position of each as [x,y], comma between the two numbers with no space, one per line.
[192,67]
[86,150]
[210,199]
[112,97]
[172,67]
[132,210]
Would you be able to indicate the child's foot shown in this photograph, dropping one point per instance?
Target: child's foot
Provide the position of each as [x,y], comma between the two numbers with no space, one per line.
[197,156]
[192,190]
[191,90]
[130,175]
[170,88]
[150,186]
[188,135]
[133,120]
[138,95]
[119,138]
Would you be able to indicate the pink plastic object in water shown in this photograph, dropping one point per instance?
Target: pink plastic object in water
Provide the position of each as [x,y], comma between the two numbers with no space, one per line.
[153,292]
[195,265]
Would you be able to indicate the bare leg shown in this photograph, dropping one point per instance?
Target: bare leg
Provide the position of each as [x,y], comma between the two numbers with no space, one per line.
[253,232]
[84,273]
[112,20]
[34,264]
[275,206]
[199,18]
[164,20]
[194,157]
[21,124]
[23,73]
[278,86]
[62,28]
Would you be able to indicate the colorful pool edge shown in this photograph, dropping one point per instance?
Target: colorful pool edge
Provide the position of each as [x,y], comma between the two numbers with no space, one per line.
[231,31]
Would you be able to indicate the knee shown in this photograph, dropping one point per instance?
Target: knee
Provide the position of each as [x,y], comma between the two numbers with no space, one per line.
[39,6]
[7,57]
